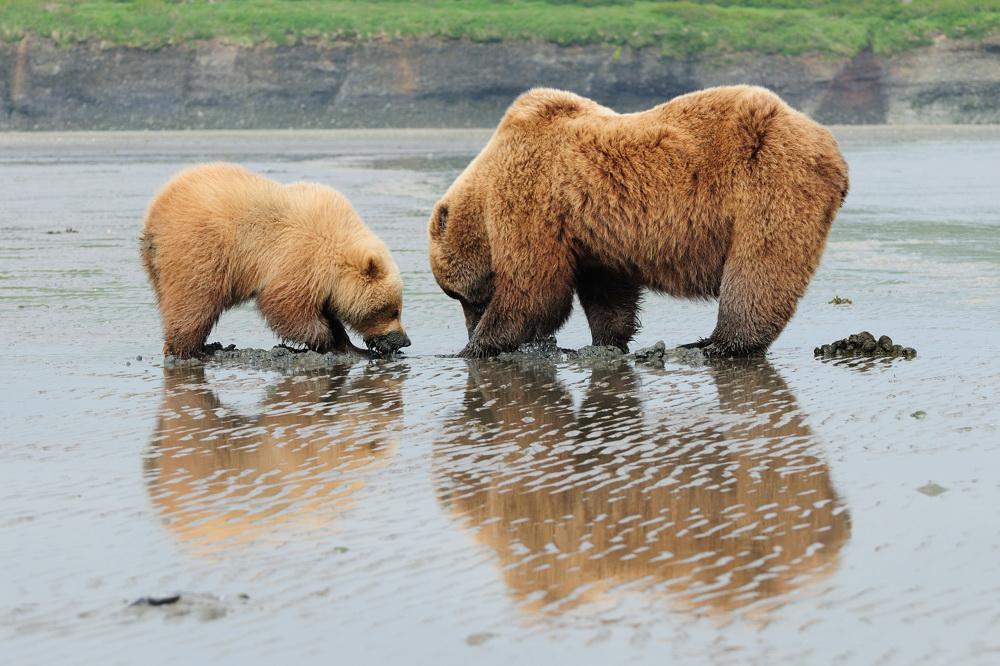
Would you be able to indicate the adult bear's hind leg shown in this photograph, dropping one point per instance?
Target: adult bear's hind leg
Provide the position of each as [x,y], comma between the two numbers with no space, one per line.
[611,305]
[756,301]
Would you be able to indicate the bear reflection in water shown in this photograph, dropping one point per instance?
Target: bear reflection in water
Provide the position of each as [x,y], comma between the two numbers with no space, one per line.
[224,480]
[721,508]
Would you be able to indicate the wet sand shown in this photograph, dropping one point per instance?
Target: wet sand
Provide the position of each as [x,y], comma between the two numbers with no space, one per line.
[428,509]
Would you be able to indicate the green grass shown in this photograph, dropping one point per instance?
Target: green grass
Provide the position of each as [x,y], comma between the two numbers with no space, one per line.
[835,27]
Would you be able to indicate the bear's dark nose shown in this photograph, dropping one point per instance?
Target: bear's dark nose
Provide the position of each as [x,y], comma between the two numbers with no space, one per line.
[404,340]
[388,344]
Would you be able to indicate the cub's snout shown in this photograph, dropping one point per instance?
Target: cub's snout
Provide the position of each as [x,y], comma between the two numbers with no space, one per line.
[388,343]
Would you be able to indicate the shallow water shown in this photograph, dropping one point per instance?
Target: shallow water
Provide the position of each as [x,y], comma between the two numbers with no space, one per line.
[434,510]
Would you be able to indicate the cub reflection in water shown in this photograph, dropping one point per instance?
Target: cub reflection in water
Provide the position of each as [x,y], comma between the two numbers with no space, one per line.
[223,479]
[719,506]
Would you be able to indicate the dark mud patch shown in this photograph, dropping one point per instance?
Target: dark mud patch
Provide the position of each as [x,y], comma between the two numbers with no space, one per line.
[659,354]
[864,344]
[280,357]
[548,350]
[537,351]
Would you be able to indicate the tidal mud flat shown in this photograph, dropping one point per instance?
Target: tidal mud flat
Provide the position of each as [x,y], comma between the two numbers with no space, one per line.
[560,506]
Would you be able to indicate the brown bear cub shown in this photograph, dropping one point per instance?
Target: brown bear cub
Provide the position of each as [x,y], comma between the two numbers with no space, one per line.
[725,193]
[218,235]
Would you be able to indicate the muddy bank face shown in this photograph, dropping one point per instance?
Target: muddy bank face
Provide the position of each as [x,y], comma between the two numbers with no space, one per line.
[551,506]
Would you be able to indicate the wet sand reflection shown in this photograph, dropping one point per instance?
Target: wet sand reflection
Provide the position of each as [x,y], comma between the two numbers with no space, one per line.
[723,509]
[223,480]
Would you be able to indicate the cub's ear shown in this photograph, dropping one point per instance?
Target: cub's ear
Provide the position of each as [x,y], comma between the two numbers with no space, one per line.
[371,268]
[439,220]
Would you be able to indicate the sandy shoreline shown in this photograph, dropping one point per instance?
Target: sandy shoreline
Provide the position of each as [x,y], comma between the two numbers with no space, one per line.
[439,510]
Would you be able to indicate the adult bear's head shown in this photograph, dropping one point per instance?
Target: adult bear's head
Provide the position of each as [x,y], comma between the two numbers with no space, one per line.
[459,247]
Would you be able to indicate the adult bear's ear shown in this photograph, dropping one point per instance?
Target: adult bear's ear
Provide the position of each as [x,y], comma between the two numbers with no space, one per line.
[439,220]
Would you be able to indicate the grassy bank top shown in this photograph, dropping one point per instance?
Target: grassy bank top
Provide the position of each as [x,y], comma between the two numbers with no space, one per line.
[833,27]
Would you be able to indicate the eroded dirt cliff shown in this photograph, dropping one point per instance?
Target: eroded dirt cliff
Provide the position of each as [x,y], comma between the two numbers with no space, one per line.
[459,84]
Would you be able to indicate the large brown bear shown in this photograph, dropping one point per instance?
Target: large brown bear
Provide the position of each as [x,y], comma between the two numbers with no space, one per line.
[725,193]
[218,235]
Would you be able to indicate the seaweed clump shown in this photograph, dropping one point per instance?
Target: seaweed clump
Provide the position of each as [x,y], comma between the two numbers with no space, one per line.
[864,344]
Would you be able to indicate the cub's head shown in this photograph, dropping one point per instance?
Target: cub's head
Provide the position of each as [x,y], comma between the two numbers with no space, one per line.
[460,253]
[373,301]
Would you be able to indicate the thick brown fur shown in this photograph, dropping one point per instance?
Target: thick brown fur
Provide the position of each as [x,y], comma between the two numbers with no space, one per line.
[218,235]
[725,193]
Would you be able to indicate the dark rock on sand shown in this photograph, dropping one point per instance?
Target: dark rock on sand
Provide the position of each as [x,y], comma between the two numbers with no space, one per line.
[864,344]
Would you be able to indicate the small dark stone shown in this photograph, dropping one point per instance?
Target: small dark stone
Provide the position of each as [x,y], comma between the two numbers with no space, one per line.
[157,600]
[885,343]
[867,342]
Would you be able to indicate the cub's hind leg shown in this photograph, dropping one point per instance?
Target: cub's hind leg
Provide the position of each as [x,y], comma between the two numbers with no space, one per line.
[187,320]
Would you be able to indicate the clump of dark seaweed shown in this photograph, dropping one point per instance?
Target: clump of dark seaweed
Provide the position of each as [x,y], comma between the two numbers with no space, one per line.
[864,344]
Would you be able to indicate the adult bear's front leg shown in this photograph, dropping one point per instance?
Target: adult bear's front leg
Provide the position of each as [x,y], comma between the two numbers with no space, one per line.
[611,305]
[519,313]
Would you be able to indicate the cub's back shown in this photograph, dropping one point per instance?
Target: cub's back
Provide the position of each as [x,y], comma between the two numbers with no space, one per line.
[322,211]
[214,197]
